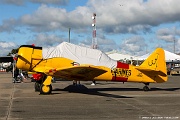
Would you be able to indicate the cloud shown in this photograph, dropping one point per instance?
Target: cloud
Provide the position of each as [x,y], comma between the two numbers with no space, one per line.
[12,2]
[131,17]
[51,19]
[22,2]
[167,38]
[134,45]
[114,17]
[45,19]
[103,43]
[4,44]
[6,47]
[48,40]
[56,2]
[45,40]
[168,34]
[10,25]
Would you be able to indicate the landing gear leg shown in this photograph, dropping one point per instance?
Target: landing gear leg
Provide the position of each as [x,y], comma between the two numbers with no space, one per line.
[46,87]
[146,87]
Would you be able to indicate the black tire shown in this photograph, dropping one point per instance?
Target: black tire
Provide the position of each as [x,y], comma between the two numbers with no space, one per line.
[37,86]
[45,89]
[146,88]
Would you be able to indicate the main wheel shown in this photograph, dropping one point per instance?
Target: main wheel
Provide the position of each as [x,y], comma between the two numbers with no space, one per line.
[146,88]
[37,86]
[45,89]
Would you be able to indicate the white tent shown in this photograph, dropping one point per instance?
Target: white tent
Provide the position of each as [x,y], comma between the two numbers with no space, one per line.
[171,56]
[143,57]
[117,56]
[168,56]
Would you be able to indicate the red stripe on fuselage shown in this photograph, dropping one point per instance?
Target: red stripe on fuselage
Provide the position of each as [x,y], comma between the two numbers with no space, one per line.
[119,79]
[123,66]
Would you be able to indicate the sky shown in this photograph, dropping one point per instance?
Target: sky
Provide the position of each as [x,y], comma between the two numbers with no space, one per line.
[133,27]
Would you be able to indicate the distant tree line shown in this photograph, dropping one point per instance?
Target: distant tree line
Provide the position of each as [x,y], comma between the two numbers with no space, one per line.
[13,51]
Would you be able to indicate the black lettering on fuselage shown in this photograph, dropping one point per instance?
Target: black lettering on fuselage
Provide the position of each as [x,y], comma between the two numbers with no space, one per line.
[121,72]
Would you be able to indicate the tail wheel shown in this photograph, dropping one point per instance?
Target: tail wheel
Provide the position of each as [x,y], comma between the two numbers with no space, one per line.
[146,88]
[45,89]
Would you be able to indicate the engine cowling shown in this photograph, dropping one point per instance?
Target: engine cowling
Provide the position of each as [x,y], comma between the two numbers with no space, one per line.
[25,59]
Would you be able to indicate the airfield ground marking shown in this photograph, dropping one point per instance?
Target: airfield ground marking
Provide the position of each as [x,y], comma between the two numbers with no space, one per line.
[10,102]
[138,108]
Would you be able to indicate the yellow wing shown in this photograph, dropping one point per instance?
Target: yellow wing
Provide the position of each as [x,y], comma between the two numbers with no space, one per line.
[77,72]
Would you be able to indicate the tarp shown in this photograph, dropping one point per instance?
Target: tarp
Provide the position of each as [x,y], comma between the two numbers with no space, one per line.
[168,56]
[82,55]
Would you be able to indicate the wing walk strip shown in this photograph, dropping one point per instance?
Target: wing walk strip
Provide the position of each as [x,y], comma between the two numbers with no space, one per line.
[10,102]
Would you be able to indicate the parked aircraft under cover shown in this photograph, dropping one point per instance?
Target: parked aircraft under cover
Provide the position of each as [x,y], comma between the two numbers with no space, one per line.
[79,63]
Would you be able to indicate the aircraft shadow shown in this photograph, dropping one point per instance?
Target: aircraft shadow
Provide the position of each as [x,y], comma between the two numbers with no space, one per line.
[98,91]
[164,89]
[90,91]
[136,89]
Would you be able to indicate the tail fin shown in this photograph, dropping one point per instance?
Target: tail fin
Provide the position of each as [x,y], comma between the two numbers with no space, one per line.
[155,65]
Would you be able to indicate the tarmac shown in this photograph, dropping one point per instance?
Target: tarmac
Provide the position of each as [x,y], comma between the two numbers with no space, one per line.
[104,101]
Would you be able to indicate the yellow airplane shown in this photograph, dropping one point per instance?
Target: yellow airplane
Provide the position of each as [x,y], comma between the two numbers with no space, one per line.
[30,58]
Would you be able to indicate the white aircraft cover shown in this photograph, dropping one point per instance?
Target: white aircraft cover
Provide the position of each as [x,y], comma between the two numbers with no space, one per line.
[82,55]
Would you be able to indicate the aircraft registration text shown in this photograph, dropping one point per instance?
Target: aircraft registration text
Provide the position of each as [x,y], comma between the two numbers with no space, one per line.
[119,72]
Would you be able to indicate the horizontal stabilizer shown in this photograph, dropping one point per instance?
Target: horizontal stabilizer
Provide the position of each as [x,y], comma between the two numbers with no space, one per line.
[157,72]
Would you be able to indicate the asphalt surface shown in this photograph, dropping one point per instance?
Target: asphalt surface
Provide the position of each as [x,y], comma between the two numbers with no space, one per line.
[105,101]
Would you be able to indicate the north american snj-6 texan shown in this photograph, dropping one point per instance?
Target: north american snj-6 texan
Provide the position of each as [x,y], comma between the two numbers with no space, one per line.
[79,63]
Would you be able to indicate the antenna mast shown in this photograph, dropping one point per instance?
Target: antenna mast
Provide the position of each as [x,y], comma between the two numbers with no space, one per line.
[94,39]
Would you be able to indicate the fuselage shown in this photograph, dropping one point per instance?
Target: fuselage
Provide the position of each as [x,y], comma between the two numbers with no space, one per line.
[30,59]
